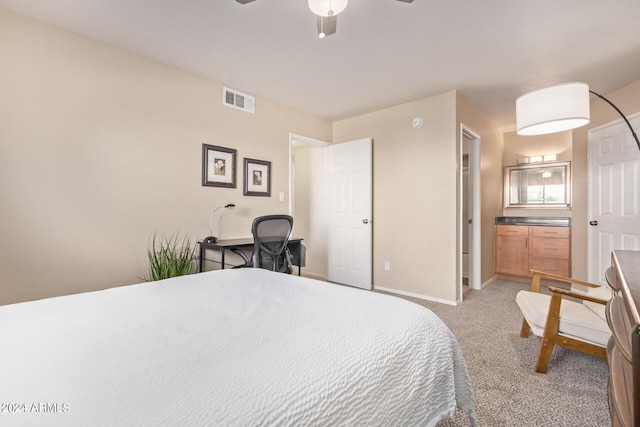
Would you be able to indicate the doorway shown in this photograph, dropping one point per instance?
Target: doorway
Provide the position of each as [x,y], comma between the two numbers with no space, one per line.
[469,212]
[335,225]
[307,198]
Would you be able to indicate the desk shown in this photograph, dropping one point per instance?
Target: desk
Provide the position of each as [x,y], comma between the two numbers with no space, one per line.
[294,245]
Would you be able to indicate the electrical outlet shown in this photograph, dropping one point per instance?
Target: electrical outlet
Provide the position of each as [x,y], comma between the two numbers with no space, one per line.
[387,266]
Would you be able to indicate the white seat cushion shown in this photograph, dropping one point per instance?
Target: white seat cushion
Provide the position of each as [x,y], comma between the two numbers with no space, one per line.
[576,319]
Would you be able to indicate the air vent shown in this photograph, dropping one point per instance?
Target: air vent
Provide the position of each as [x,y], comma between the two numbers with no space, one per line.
[240,101]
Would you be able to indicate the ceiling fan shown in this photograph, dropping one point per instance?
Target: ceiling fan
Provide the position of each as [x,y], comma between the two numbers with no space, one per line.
[327,12]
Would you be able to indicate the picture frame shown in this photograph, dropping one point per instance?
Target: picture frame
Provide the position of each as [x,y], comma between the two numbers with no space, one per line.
[257,178]
[218,166]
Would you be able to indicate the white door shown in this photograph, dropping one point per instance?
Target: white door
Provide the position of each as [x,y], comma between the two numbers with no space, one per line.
[614,194]
[350,184]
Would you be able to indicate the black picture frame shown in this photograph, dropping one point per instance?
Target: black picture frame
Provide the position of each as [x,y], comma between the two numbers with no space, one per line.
[257,178]
[218,166]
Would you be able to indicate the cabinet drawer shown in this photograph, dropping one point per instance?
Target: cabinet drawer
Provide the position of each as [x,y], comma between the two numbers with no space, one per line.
[550,247]
[558,232]
[551,265]
[512,230]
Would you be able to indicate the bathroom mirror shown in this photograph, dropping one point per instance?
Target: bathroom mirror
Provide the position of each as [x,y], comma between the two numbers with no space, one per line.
[540,185]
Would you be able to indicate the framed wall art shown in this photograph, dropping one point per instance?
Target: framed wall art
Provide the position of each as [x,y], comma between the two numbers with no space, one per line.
[218,166]
[257,178]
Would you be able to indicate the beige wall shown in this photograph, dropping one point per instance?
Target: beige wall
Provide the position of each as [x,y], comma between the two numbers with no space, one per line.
[99,148]
[414,200]
[627,99]
[490,179]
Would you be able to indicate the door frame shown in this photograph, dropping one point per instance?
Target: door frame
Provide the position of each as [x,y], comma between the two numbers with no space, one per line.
[318,271]
[306,141]
[475,246]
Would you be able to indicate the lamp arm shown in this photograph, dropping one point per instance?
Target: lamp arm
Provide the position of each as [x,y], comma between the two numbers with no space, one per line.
[211,220]
[619,112]
[211,238]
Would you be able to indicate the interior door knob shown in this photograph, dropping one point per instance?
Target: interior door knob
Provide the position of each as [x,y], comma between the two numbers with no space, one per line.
[593,223]
[365,221]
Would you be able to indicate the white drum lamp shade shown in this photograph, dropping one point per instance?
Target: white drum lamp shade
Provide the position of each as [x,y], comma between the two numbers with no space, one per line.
[554,109]
[327,7]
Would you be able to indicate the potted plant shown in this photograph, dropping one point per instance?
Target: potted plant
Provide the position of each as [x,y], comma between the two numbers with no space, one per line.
[170,256]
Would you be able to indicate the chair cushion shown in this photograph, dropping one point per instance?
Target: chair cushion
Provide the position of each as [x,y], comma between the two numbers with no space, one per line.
[576,319]
[601,292]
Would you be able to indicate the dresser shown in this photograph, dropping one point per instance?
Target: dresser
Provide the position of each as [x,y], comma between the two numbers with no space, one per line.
[532,243]
[623,350]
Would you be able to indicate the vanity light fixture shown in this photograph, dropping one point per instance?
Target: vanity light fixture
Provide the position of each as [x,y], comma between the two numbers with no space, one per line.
[535,159]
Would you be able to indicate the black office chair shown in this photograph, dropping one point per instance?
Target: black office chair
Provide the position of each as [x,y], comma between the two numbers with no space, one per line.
[270,238]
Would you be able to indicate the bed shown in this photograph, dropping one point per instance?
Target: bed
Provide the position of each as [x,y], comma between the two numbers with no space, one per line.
[241,347]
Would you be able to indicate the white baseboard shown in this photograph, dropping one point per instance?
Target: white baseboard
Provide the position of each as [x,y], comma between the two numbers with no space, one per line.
[490,281]
[414,295]
[310,274]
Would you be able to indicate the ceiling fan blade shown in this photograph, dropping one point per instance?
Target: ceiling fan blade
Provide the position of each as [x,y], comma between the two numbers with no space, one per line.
[327,25]
[247,1]
[405,1]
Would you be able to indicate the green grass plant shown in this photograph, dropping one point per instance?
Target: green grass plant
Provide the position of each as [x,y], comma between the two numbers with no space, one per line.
[170,256]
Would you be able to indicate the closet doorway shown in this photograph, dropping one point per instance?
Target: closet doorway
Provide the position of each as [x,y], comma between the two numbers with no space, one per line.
[469,212]
[308,200]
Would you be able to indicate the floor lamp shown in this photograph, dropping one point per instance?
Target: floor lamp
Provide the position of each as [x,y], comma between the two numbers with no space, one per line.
[558,108]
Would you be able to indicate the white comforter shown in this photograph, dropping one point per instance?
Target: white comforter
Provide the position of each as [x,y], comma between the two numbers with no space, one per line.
[242,347]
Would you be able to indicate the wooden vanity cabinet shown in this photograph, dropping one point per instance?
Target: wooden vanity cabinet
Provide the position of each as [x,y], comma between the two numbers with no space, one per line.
[521,248]
[512,245]
[551,250]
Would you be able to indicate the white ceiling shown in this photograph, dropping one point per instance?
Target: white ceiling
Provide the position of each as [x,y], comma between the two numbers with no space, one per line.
[384,53]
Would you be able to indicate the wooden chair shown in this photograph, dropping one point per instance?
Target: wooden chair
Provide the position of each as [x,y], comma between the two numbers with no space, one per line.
[580,326]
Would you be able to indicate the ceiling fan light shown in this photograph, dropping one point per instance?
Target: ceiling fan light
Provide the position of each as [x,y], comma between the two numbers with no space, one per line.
[554,109]
[327,7]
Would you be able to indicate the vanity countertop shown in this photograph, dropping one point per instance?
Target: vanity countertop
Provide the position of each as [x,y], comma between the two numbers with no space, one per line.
[534,220]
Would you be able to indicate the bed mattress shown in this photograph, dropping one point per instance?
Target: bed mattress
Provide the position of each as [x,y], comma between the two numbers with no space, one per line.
[242,347]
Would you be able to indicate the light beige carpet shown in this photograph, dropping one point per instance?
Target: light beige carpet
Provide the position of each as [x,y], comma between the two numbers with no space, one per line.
[507,390]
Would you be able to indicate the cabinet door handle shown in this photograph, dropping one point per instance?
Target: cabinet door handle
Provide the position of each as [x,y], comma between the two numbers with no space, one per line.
[551,249]
[526,242]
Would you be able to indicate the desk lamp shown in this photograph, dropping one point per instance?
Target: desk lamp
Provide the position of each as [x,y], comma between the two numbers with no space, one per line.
[558,108]
[212,238]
